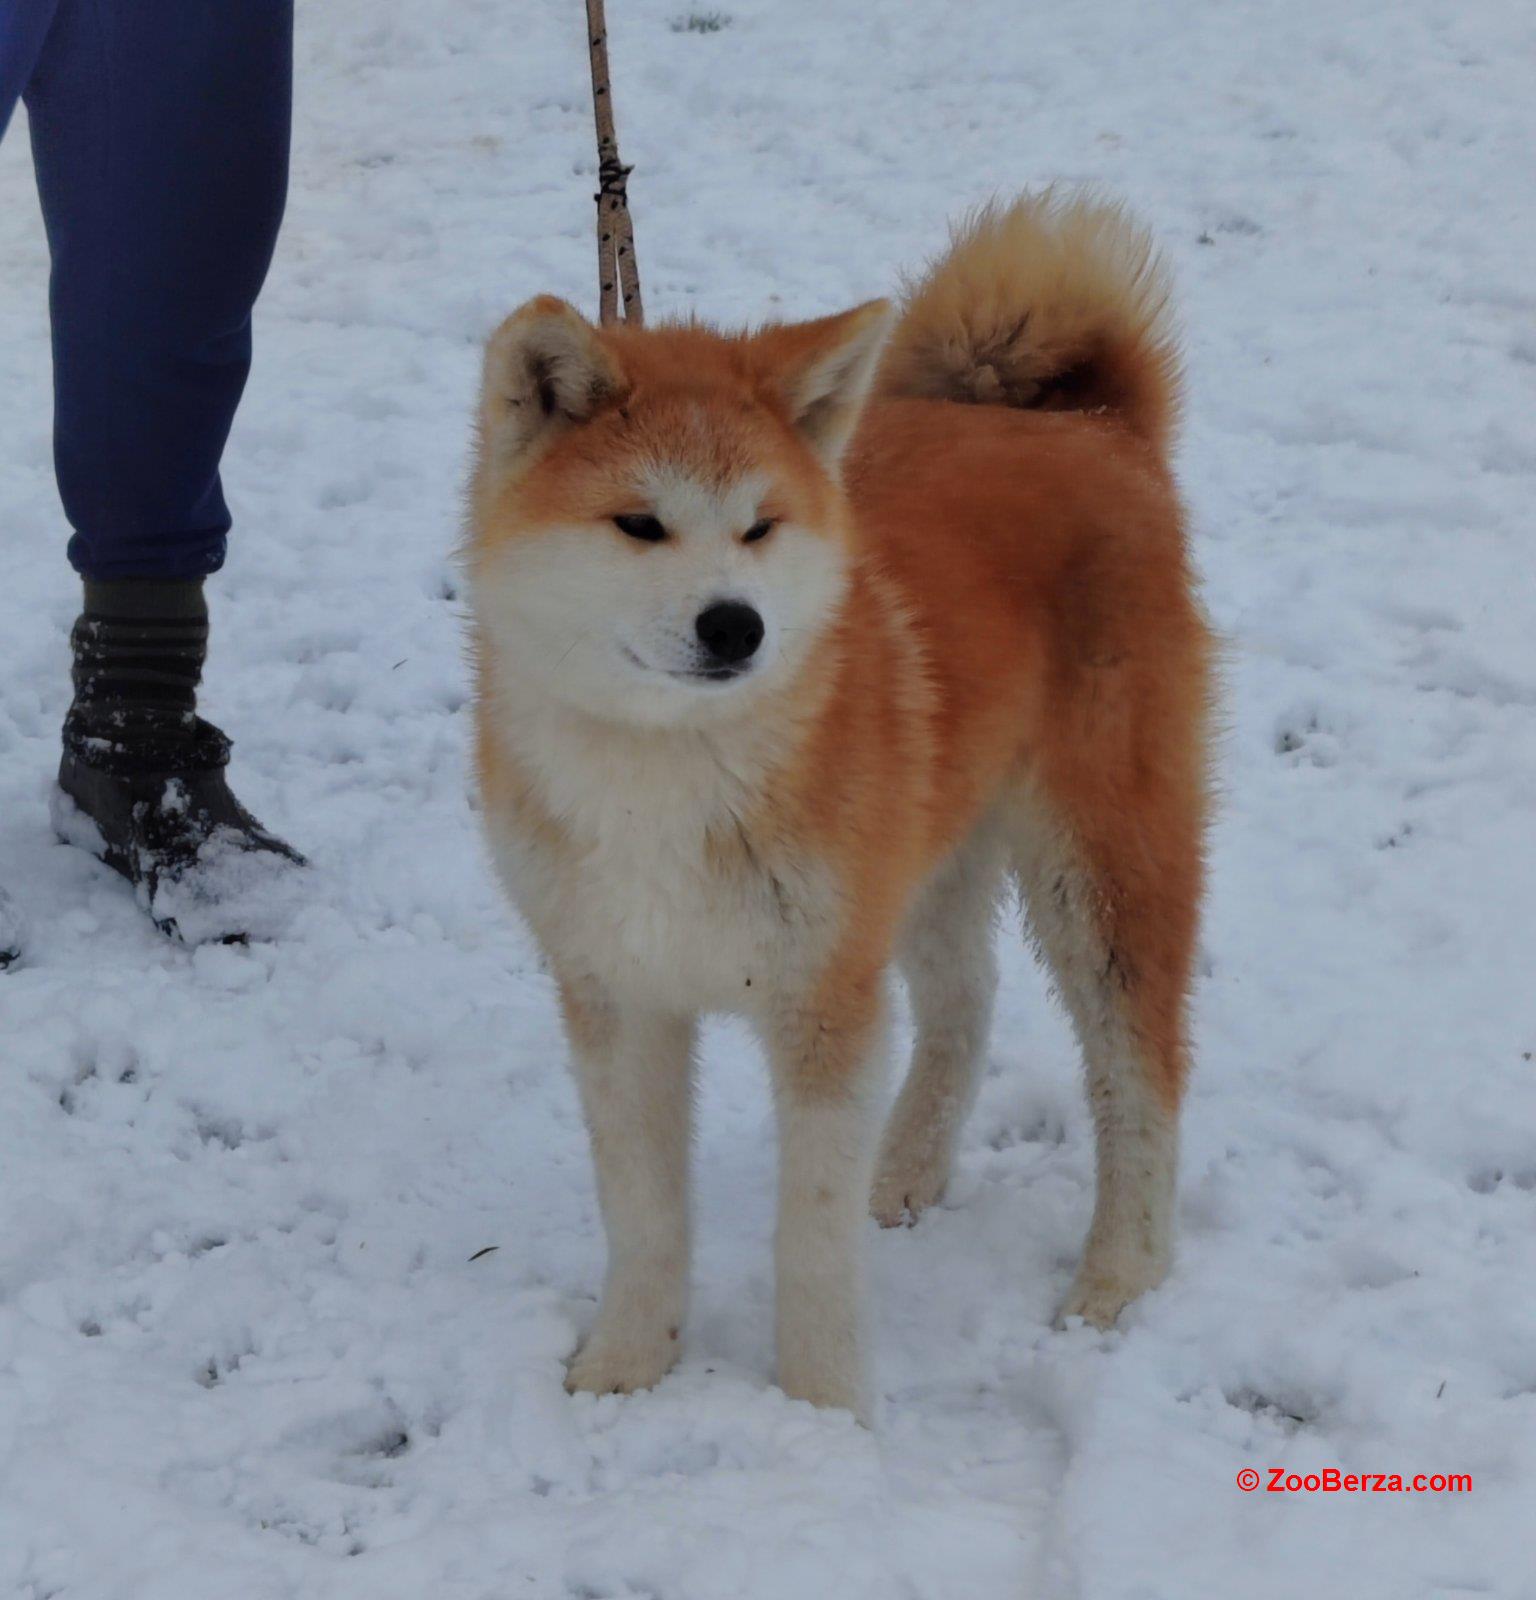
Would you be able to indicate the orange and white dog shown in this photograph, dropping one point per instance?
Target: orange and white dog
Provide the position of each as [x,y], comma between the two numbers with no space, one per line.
[793,648]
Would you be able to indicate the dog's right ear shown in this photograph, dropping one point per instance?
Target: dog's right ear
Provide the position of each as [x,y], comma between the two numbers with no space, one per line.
[545,368]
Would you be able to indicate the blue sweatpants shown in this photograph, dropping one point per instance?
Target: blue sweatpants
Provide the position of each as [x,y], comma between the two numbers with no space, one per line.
[160,138]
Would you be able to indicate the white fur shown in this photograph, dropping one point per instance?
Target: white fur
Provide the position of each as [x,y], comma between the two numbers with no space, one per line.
[635,1076]
[604,624]
[641,909]
[826,1162]
[948,961]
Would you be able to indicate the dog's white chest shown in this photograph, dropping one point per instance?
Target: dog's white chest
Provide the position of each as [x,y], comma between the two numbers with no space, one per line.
[656,895]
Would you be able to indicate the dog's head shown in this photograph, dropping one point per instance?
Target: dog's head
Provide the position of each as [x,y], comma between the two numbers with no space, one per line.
[658,528]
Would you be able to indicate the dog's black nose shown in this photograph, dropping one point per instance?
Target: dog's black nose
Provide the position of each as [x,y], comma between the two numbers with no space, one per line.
[730,630]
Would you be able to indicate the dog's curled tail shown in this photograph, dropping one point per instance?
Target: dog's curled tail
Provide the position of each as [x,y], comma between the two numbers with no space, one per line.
[1055,302]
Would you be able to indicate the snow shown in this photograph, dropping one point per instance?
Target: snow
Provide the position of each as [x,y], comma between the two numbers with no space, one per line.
[245,1351]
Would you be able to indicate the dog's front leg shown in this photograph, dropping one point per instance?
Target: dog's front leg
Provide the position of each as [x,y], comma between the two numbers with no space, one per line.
[634,1069]
[827,1059]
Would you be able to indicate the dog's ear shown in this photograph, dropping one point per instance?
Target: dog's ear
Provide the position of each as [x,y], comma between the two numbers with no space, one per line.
[545,367]
[822,371]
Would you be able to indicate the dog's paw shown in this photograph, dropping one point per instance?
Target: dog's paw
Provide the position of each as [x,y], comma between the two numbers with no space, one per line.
[820,1348]
[831,1390]
[907,1181]
[1099,1296]
[621,1362]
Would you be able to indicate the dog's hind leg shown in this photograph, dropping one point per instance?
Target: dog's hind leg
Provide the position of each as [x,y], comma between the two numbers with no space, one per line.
[948,960]
[635,1071]
[1112,890]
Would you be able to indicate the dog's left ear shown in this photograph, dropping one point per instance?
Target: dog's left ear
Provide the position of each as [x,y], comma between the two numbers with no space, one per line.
[822,371]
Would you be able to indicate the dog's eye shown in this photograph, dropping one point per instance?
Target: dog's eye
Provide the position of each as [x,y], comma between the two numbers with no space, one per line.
[641,527]
[758,530]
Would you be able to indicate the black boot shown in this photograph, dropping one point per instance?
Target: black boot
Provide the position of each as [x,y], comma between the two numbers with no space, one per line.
[143,775]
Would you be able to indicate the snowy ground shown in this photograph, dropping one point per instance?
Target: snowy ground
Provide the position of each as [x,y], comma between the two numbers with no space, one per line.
[244,1352]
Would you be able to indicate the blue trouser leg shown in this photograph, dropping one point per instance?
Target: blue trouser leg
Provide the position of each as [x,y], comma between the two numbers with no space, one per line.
[160,138]
[23,27]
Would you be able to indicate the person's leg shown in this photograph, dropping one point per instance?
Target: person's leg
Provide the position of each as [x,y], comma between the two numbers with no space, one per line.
[23,29]
[160,137]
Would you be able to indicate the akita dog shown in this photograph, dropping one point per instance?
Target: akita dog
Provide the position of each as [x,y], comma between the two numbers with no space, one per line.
[795,646]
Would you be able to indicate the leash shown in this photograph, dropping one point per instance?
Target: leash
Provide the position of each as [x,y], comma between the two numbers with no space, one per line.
[618,273]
